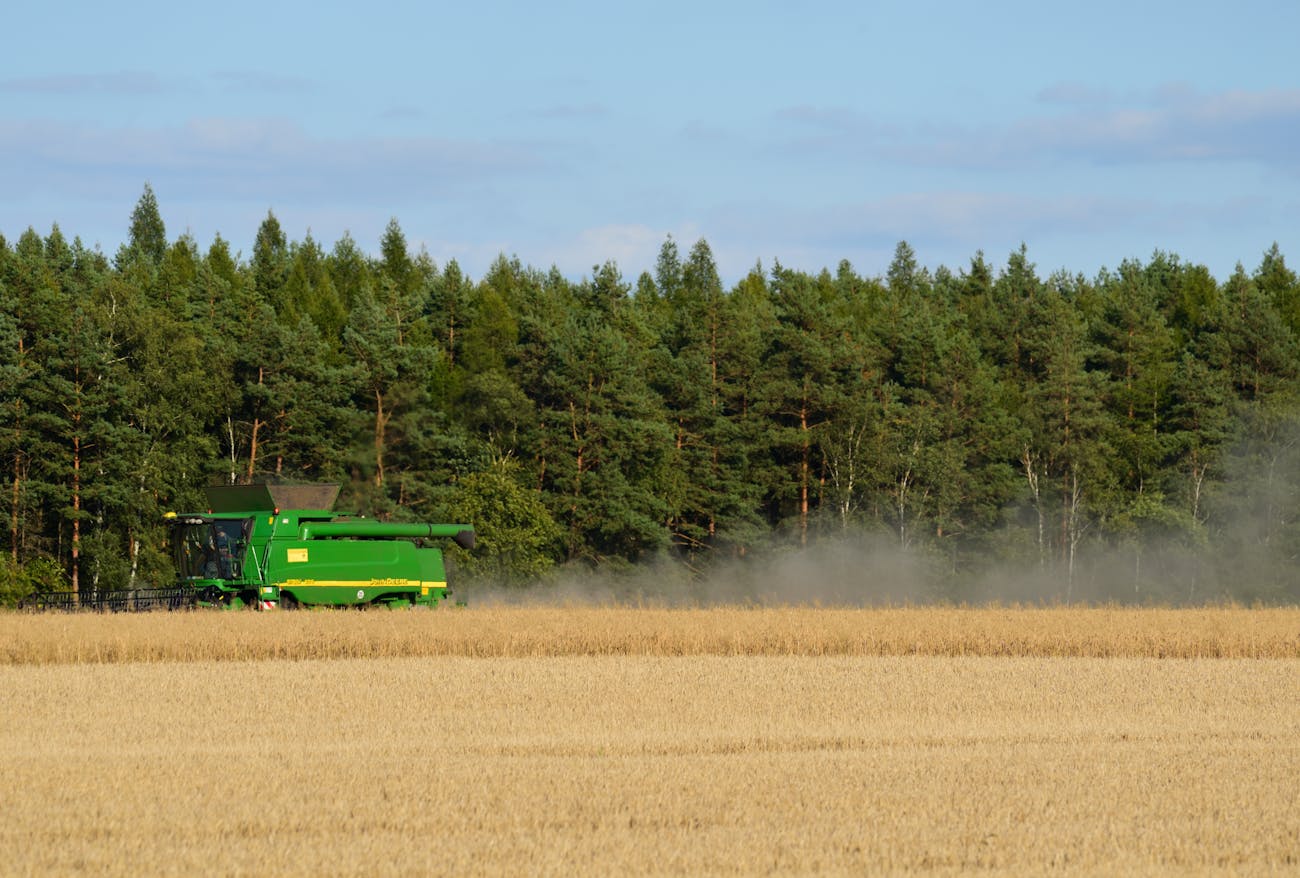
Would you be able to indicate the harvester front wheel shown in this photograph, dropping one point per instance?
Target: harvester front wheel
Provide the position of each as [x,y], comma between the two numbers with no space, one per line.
[288,601]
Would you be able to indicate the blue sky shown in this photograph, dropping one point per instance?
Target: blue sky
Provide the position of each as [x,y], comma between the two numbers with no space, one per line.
[570,133]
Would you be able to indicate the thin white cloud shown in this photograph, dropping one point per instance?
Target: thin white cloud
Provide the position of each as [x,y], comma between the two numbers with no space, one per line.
[123,82]
[707,133]
[263,82]
[566,112]
[1171,123]
[1177,125]
[1075,94]
[626,244]
[258,158]
[969,216]
[633,246]
[404,112]
[840,121]
[962,222]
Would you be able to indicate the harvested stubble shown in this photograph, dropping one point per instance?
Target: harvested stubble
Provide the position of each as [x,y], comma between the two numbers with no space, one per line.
[645,764]
[1227,632]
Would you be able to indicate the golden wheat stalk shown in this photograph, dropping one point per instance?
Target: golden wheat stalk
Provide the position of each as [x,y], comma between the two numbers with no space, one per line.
[501,631]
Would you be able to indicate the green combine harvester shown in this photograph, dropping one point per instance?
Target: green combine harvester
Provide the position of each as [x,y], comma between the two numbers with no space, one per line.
[271,546]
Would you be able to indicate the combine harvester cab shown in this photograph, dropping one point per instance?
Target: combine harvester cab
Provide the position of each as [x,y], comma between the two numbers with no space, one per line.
[280,546]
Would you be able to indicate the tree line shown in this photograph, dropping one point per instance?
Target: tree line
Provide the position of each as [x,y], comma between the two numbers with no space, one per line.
[1134,435]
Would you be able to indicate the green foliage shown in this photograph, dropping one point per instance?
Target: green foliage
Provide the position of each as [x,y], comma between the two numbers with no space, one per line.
[20,581]
[271,265]
[1280,287]
[309,292]
[148,236]
[605,438]
[1134,436]
[516,539]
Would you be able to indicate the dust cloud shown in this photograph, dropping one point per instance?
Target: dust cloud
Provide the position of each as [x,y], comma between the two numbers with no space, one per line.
[1242,547]
[867,570]
[836,573]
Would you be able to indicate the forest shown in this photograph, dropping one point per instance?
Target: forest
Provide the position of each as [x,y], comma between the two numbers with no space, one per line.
[1129,436]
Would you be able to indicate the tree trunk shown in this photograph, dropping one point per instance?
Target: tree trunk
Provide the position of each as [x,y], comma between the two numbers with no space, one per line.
[579,464]
[13,513]
[904,486]
[1199,471]
[134,543]
[252,451]
[76,512]
[230,437]
[18,469]
[451,338]
[381,423]
[257,425]
[1073,527]
[713,521]
[803,477]
[1029,461]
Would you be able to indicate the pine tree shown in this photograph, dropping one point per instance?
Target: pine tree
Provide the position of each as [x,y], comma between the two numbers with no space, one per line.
[656,295]
[73,407]
[703,490]
[393,377]
[309,292]
[350,272]
[147,238]
[489,402]
[1135,351]
[801,391]
[12,378]
[271,263]
[309,402]
[1279,285]
[450,309]
[750,321]
[36,305]
[905,276]
[1064,458]
[404,284]
[851,443]
[603,427]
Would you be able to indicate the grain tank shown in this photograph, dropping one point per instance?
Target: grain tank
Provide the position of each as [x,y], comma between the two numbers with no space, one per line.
[281,546]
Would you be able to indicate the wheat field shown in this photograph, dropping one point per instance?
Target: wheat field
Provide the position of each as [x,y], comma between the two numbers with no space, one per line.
[536,631]
[604,741]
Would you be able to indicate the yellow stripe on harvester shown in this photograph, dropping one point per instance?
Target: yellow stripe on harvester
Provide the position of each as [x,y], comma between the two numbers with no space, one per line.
[362,583]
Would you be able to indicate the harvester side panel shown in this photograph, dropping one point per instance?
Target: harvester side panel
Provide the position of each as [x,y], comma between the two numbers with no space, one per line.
[342,572]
